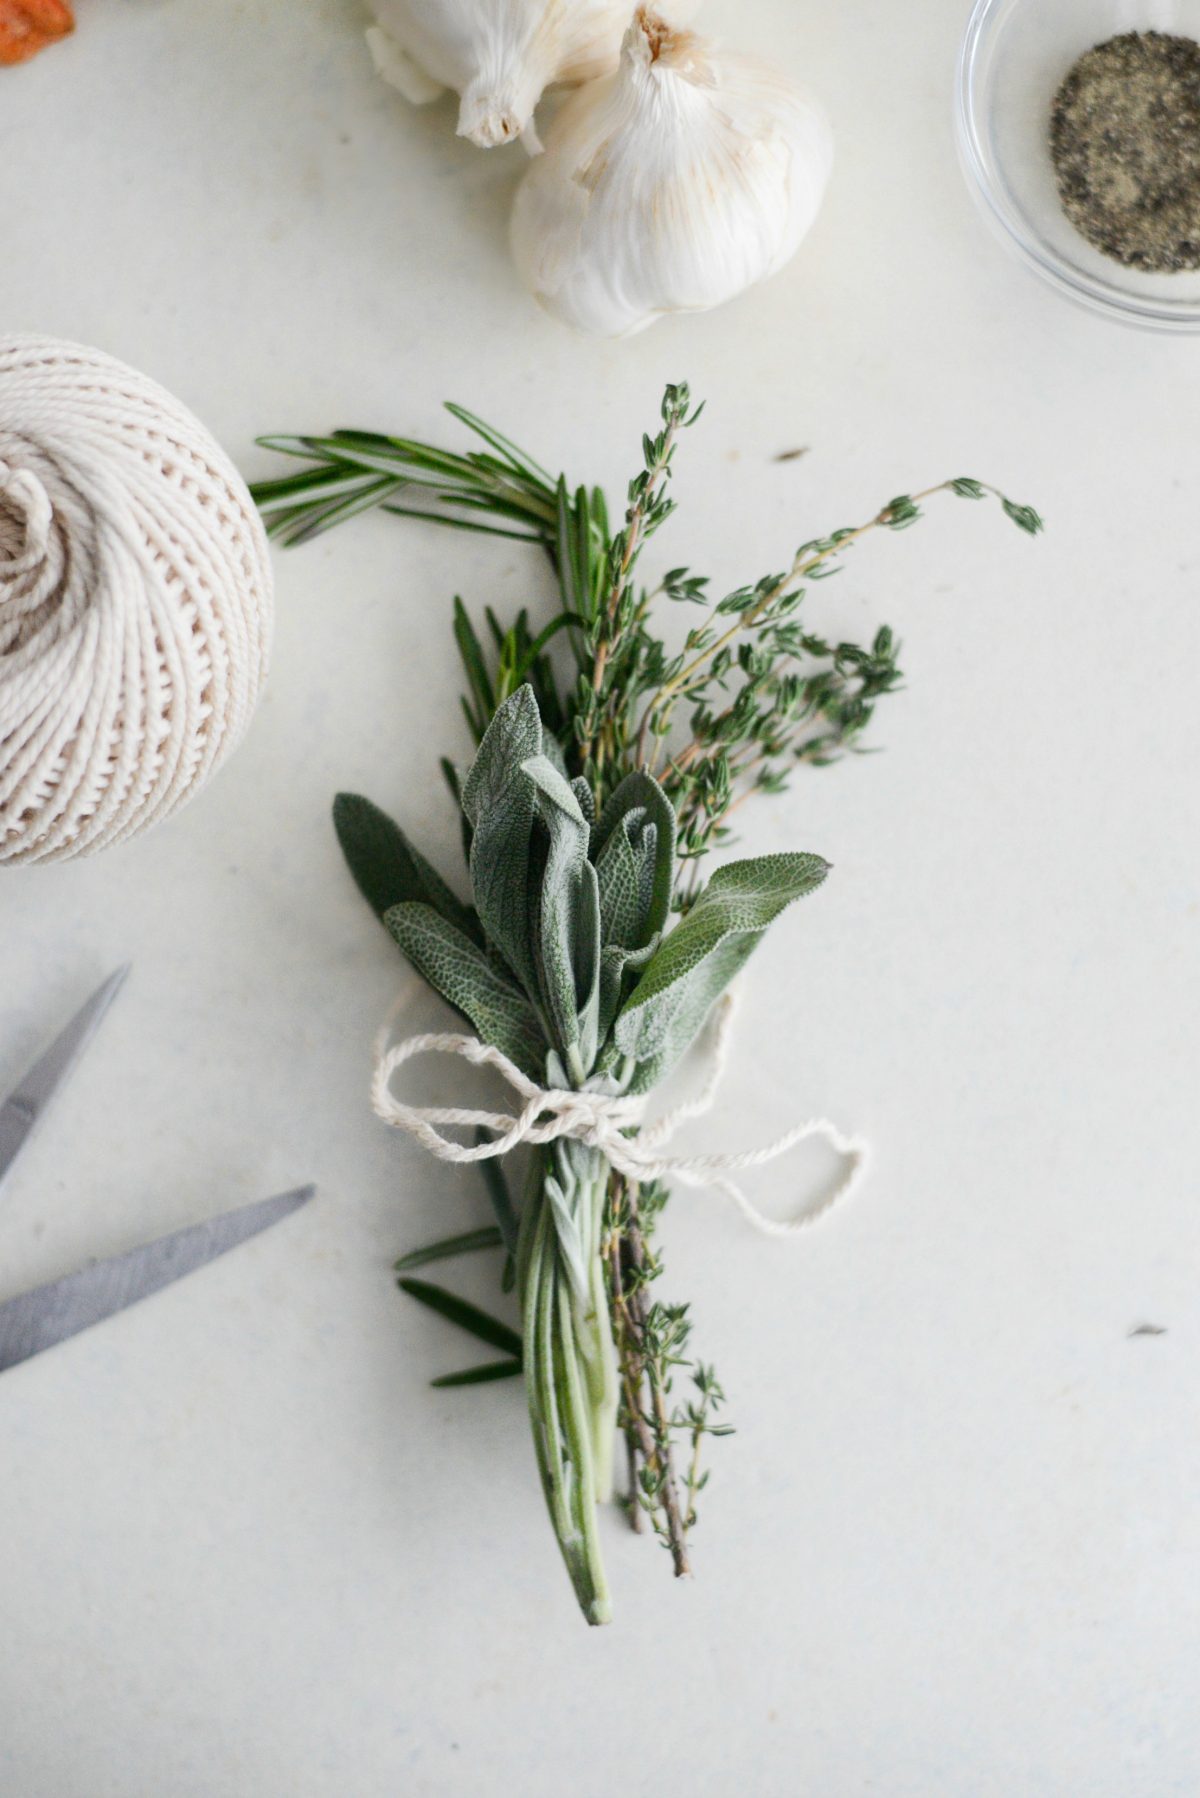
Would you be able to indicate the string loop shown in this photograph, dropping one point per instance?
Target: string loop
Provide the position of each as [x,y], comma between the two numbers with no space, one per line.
[611,1123]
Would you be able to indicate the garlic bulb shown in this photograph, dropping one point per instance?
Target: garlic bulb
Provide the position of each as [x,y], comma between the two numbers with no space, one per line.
[671,185]
[499,55]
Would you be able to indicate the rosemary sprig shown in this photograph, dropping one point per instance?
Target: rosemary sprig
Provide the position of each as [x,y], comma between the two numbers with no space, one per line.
[500,491]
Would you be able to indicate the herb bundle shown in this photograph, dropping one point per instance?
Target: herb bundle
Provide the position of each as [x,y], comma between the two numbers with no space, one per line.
[607,768]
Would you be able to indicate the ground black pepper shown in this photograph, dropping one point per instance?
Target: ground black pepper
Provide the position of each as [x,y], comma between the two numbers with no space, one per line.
[1125,139]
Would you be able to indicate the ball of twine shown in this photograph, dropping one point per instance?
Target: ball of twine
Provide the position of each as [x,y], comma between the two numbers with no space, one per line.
[135,601]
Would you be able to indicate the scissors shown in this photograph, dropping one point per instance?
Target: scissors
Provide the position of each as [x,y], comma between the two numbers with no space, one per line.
[48,1315]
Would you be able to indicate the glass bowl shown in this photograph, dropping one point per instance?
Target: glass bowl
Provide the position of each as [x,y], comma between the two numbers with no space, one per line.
[1014,55]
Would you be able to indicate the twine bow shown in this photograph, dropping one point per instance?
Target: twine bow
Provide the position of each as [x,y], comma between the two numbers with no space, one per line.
[610,1123]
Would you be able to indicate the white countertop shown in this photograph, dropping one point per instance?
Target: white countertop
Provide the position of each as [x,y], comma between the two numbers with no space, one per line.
[954,1549]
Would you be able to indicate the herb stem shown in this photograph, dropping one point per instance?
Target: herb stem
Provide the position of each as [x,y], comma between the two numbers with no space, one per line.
[638,1437]
[806,561]
[645,511]
[561,1412]
[634,1508]
[669,1489]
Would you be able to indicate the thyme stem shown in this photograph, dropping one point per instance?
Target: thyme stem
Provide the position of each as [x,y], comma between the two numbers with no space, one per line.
[638,1437]
[805,562]
[655,1378]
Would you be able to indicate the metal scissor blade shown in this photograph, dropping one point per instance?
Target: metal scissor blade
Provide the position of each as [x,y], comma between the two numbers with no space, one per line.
[23,1107]
[48,1315]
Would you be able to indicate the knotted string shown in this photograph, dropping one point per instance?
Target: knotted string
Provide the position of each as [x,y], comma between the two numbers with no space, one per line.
[610,1123]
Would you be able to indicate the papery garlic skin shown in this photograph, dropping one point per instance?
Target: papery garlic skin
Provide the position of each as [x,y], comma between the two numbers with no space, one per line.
[499,55]
[689,174]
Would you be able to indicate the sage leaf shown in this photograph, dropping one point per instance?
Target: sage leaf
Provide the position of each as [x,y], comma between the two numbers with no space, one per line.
[635,867]
[587,966]
[499,800]
[695,964]
[696,998]
[624,912]
[460,971]
[387,869]
[567,930]
[618,969]
[642,813]
[622,918]
[513,736]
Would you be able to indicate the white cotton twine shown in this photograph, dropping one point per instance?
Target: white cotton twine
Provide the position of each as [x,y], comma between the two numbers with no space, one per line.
[135,601]
[610,1123]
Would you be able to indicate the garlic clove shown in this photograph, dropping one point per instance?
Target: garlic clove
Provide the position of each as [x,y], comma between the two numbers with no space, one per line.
[498,55]
[684,177]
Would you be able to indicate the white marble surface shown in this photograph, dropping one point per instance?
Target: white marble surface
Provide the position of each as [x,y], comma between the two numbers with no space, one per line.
[955,1547]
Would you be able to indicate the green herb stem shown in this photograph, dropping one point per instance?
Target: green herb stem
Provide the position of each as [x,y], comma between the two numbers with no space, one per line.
[562,1410]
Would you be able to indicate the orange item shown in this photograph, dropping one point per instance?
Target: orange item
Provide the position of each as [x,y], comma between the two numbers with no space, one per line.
[27,26]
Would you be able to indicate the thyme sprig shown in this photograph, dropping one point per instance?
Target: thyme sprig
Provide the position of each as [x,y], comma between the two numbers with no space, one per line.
[753,693]
[622,650]
[652,1342]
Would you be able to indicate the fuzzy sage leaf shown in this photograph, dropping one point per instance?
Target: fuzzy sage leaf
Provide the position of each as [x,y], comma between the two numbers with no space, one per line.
[695,964]
[567,912]
[459,970]
[388,870]
[499,800]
